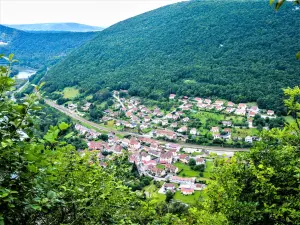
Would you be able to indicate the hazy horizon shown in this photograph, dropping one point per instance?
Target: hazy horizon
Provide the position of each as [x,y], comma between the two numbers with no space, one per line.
[93,13]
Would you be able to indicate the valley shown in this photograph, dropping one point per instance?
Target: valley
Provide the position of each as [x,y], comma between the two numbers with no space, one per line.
[185,114]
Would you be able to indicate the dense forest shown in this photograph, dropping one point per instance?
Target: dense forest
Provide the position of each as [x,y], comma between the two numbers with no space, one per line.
[37,49]
[242,51]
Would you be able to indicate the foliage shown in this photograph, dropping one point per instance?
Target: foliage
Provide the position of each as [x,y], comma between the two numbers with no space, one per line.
[169,196]
[242,57]
[261,186]
[44,180]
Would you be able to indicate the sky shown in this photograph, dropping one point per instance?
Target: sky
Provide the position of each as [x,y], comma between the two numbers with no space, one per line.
[101,13]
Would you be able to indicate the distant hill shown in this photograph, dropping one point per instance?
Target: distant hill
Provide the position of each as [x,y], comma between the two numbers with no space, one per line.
[38,49]
[242,51]
[71,27]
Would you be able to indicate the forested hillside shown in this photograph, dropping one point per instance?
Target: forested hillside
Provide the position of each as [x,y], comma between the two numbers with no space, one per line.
[242,51]
[37,49]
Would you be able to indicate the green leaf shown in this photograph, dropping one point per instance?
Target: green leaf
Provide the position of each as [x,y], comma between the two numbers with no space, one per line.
[32,168]
[63,126]
[11,56]
[51,194]
[271,2]
[36,207]
[1,220]
[298,55]
[279,4]
[69,135]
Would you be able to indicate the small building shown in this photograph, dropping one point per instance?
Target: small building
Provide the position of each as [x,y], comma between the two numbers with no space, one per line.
[227,123]
[169,187]
[215,129]
[182,129]
[166,158]
[187,191]
[200,161]
[248,139]
[193,131]
[172,96]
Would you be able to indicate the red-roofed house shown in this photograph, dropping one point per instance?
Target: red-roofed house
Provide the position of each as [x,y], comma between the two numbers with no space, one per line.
[215,129]
[242,106]
[219,103]
[184,158]
[200,161]
[172,96]
[183,180]
[166,133]
[270,113]
[169,187]
[172,169]
[134,143]
[187,191]
[166,158]
[95,145]
[230,104]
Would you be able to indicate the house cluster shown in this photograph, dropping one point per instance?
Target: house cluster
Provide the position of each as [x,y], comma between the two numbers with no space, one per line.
[240,109]
[221,134]
[186,186]
[88,133]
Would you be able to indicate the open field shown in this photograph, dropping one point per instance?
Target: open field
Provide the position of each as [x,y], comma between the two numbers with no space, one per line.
[186,171]
[152,191]
[70,92]
[189,199]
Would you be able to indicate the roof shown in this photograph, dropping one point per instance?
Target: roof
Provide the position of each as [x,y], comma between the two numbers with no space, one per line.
[187,190]
[169,185]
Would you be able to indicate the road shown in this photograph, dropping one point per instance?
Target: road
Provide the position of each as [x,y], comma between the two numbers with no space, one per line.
[100,127]
[119,100]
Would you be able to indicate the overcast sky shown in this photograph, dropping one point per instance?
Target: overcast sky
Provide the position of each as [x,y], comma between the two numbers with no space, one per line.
[92,12]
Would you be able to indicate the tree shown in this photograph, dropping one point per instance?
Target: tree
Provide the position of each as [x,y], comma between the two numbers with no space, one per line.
[261,186]
[169,196]
[103,137]
[192,162]
[46,180]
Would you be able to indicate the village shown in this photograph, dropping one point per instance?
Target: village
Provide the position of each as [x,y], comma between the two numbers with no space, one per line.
[195,120]
[157,149]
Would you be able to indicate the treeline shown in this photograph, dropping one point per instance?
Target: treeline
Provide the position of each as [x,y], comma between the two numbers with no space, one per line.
[238,50]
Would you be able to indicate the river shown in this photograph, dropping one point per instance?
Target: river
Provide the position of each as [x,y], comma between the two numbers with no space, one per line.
[25,73]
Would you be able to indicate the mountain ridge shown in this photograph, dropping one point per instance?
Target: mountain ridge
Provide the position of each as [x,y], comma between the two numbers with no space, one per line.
[37,49]
[232,50]
[68,27]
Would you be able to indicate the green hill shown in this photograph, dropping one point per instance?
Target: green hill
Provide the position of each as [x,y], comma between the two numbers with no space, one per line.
[238,50]
[37,49]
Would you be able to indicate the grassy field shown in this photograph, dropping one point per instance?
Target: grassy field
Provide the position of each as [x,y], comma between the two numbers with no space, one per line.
[152,191]
[189,199]
[111,123]
[203,116]
[245,132]
[186,170]
[197,153]
[208,169]
[160,166]
[70,92]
